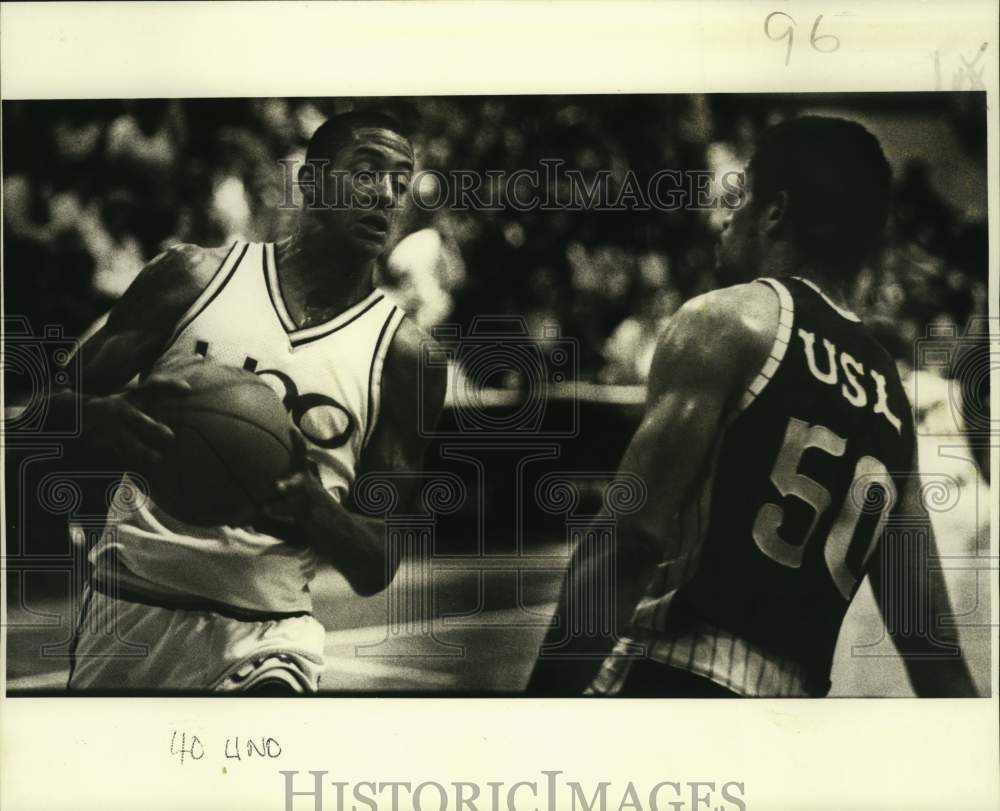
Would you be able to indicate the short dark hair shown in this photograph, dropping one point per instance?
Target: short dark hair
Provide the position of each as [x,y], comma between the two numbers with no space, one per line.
[837,180]
[337,131]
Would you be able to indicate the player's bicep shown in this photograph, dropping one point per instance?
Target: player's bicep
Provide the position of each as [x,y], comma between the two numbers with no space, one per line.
[412,398]
[693,383]
[668,455]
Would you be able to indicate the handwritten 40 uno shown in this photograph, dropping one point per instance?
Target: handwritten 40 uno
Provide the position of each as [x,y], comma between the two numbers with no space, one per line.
[191,747]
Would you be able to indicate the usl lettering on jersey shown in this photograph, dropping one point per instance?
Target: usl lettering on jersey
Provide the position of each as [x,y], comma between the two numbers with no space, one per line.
[853,373]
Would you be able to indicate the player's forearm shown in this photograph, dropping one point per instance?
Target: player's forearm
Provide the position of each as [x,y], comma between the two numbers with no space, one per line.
[570,656]
[941,679]
[579,638]
[353,544]
[930,647]
[933,672]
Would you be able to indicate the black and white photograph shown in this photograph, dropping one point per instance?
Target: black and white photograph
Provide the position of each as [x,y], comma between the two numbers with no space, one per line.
[675,396]
[501,396]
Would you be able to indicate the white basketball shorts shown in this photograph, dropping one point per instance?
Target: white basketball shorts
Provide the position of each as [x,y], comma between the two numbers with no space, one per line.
[125,646]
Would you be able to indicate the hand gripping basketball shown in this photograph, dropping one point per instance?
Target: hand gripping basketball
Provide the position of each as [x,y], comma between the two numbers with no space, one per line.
[232,440]
[119,424]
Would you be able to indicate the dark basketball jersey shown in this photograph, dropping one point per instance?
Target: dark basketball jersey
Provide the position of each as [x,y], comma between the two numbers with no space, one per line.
[775,543]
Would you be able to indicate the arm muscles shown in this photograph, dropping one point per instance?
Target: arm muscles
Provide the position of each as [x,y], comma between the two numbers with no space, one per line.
[921,584]
[396,446]
[699,368]
[141,322]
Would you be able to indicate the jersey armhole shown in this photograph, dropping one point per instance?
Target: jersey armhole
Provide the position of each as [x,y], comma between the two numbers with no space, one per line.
[786,317]
[212,289]
[219,279]
[382,344]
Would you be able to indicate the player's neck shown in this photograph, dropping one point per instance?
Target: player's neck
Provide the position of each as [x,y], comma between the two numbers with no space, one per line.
[311,281]
[830,281]
[836,290]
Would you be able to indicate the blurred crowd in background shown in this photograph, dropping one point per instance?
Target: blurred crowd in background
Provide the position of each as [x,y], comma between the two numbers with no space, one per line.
[94,189]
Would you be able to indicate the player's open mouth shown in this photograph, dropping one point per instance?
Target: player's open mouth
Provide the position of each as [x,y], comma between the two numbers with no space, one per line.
[376,224]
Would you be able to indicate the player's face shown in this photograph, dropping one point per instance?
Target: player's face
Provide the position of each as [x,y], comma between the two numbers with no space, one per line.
[738,252]
[373,174]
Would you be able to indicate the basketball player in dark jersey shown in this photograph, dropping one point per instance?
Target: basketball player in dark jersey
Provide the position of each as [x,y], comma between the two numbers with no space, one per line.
[322,271]
[778,457]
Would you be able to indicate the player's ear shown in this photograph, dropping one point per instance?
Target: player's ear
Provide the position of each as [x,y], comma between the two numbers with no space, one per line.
[309,177]
[774,215]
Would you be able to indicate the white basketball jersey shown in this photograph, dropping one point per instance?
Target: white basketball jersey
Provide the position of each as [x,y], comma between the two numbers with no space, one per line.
[329,377]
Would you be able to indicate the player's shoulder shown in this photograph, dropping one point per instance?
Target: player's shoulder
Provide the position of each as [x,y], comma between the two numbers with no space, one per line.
[411,341]
[410,361]
[188,261]
[167,285]
[720,338]
[740,314]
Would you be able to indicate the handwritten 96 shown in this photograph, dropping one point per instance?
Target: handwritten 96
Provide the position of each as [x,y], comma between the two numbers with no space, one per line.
[779,25]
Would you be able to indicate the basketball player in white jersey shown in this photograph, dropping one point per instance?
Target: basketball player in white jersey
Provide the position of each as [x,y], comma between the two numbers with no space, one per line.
[776,445]
[229,608]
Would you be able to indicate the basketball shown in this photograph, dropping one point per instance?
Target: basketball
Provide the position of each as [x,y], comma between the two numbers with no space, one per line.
[233,440]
